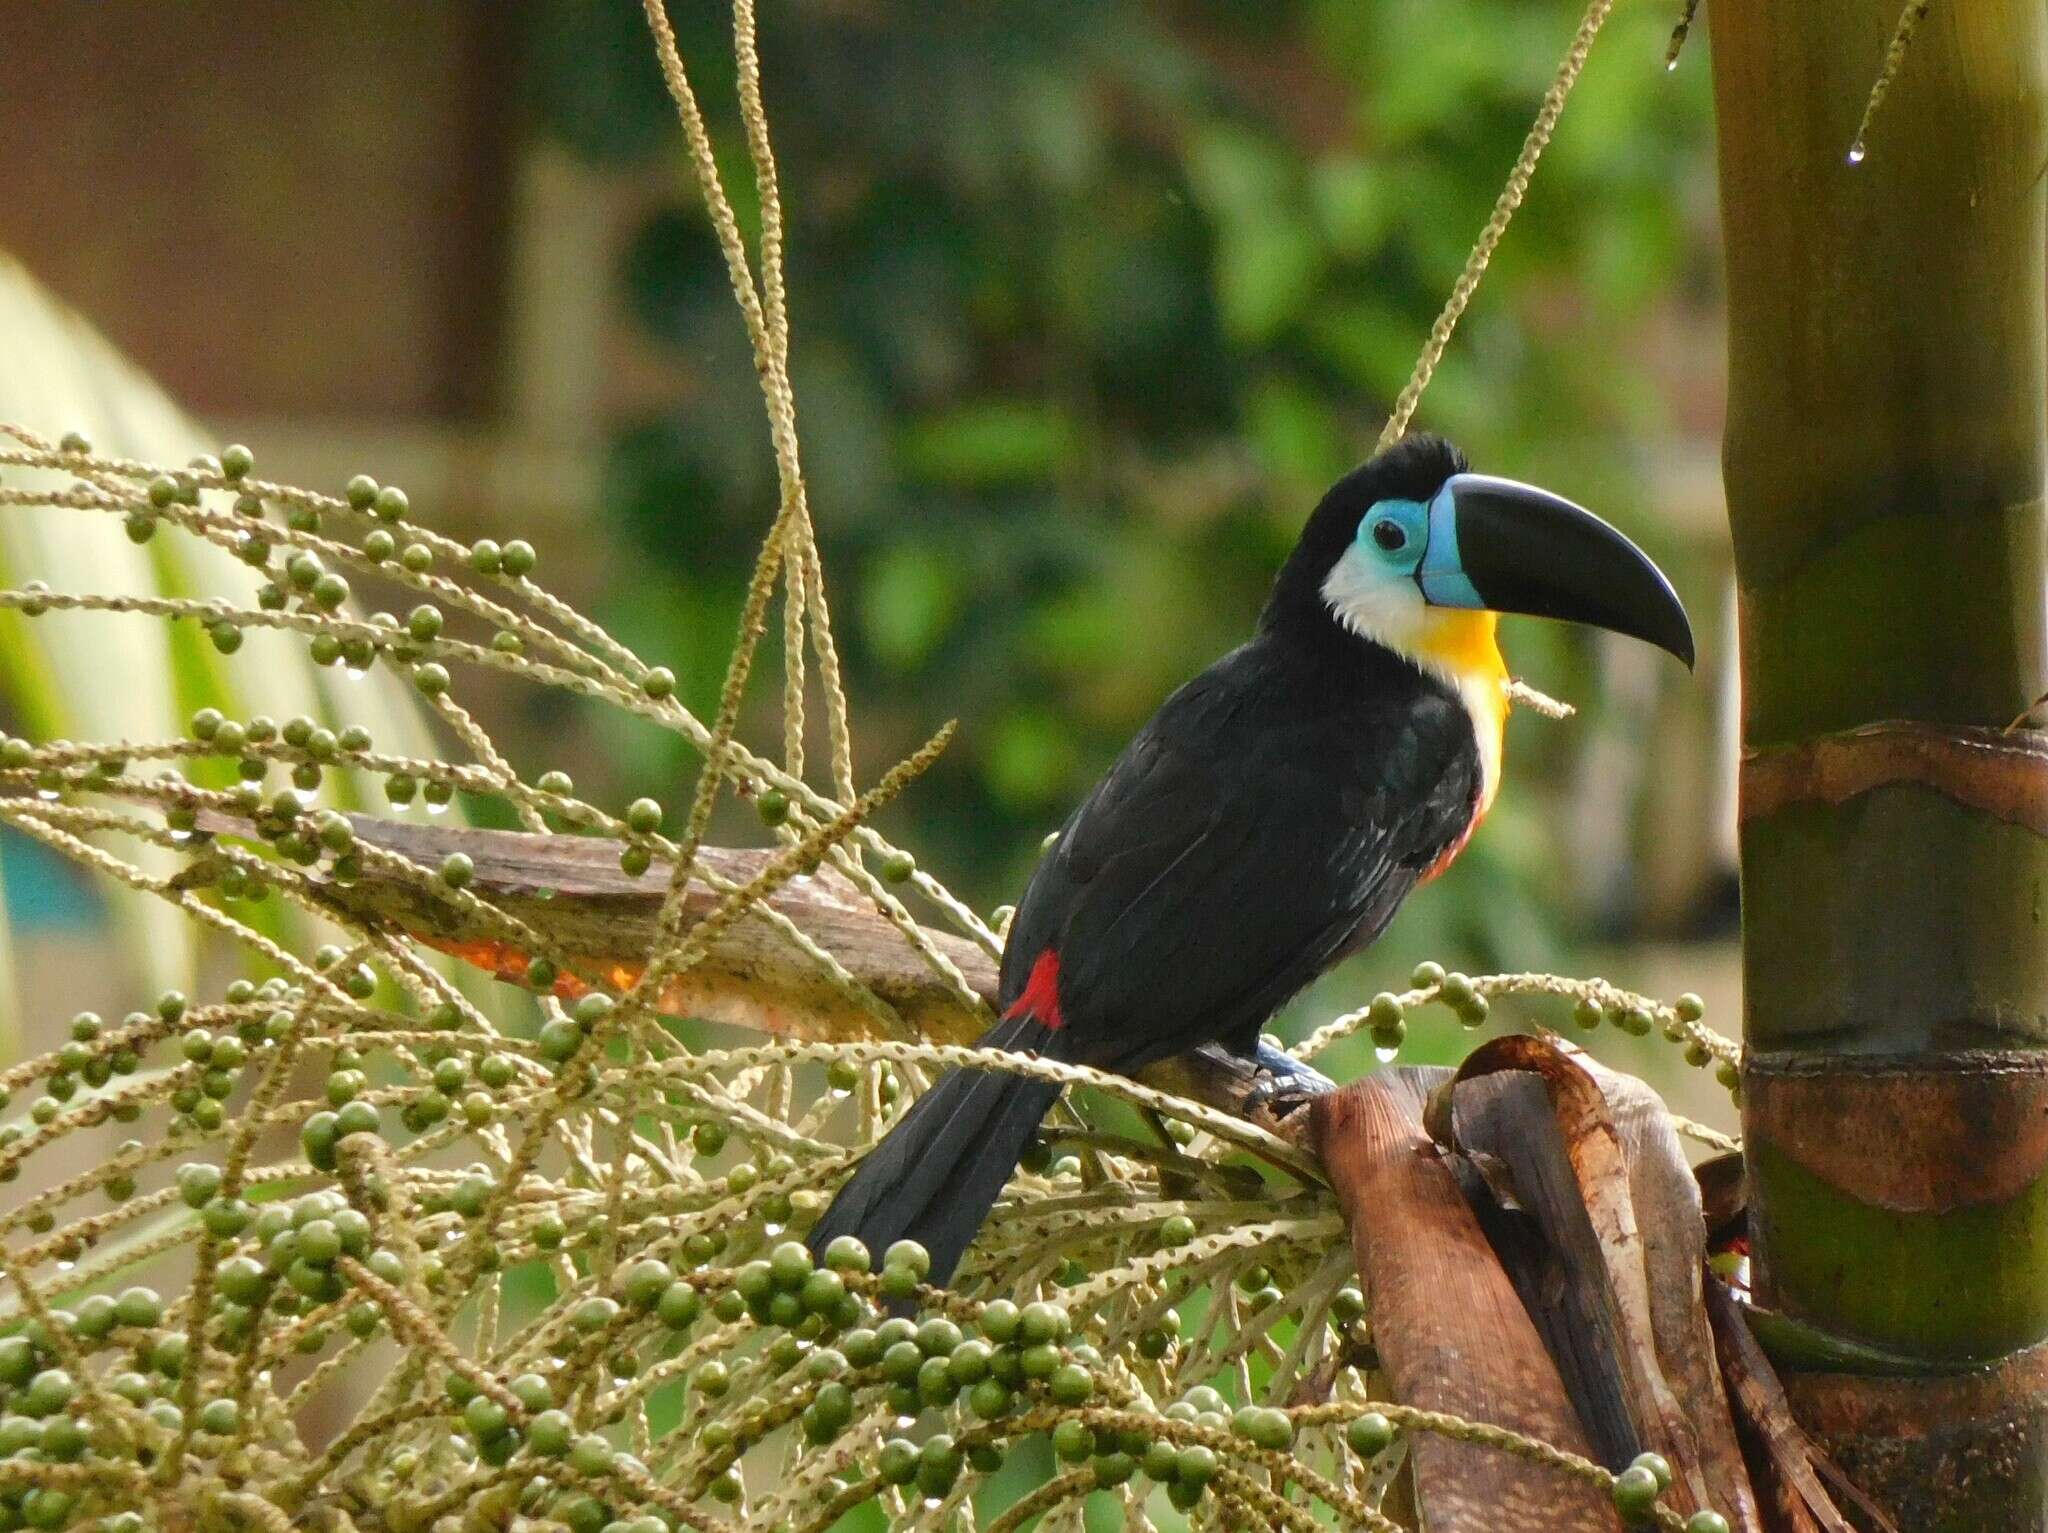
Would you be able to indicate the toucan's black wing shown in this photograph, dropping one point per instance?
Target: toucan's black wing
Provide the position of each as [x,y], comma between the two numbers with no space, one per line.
[1269,819]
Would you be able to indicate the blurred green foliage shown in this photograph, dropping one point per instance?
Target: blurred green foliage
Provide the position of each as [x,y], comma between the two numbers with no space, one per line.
[1091,301]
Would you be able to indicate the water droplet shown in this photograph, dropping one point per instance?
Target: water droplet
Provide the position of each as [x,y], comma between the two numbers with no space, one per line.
[352,674]
[437,809]
[1856,154]
[1386,1056]
[1671,64]
[47,795]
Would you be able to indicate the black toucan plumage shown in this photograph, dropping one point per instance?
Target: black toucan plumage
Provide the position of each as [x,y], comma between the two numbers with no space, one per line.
[1271,817]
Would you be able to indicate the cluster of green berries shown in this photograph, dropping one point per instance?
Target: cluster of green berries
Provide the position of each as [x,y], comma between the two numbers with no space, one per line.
[1637,1488]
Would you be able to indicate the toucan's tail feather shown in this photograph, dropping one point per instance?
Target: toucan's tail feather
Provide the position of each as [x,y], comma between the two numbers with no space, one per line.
[937,1173]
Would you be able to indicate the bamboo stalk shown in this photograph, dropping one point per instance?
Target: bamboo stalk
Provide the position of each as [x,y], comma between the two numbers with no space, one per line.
[1884,465]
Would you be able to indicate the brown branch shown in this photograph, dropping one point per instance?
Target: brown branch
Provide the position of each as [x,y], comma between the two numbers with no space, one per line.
[572,893]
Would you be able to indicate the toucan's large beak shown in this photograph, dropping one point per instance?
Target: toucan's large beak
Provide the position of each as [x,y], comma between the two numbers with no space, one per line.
[1509,547]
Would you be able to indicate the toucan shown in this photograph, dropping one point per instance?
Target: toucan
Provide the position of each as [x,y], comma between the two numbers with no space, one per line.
[1271,817]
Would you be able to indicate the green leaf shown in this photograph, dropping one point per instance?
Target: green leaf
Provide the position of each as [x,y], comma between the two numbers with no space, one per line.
[992,443]
[1266,273]
[910,599]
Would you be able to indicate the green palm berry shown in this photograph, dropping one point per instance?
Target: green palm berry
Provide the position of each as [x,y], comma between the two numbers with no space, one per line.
[822,1292]
[1635,1492]
[485,557]
[559,1040]
[64,1438]
[1657,1464]
[989,1398]
[1177,1231]
[48,1392]
[1196,1464]
[391,504]
[94,1316]
[1690,1008]
[897,1462]
[1370,1434]
[1159,1461]
[330,591]
[47,1508]
[897,868]
[140,1308]
[550,1433]
[424,622]
[379,545]
[519,558]
[361,492]
[594,1314]
[1427,974]
[901,1361]
[1706,1522]
[457,870]
[938,1337]
[318,1137]
[1114,1468]
[431,679]
[485,1417]
[1587,1012]
[677,1305]
[712,1379]
[592,1455]
[635,860]
[1042,1322]
[1039,1362]
[643,1283]
[223,1418]
[1071,1385]
[938,1464]
[1000,1320]
[358,1117]
[643,816]
[320,1243]
[416,557]
[772,805]
[198,1184]
[163,491]
[1073,1441]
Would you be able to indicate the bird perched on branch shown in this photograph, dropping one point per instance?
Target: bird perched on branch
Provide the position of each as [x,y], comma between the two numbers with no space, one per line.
[1272,816]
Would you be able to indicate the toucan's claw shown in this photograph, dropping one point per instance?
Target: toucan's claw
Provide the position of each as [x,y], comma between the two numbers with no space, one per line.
[1285,1083]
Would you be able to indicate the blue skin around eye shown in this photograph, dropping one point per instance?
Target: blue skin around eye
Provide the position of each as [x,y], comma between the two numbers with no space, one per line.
[1412,517]
[1442,574]
[1439,570]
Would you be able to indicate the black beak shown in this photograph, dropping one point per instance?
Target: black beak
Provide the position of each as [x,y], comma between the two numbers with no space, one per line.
[1515,548]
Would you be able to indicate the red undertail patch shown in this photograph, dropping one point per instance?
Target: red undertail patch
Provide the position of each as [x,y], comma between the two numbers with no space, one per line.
[1449,854]
[1040,996]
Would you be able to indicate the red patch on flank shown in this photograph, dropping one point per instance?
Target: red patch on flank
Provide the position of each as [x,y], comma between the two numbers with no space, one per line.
[1040,996]
[1449,853]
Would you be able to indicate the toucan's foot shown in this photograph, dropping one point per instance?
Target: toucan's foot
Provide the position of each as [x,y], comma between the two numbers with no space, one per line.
[1284,1082]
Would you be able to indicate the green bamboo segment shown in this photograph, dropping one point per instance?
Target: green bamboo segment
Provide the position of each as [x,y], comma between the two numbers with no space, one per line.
[1884,461]
[1869,929]
[2001,1307]
[1884,454]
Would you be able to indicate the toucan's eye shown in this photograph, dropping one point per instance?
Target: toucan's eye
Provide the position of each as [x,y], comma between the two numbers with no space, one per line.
[1389,536]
